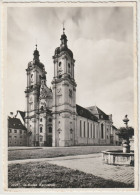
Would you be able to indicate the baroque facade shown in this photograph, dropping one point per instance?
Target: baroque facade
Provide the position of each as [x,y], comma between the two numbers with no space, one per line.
[53,118]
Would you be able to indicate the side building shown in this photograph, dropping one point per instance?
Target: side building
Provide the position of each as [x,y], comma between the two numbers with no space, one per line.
[17,132]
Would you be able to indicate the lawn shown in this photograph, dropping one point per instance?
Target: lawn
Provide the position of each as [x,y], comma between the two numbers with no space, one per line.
[45,175]
[34,153]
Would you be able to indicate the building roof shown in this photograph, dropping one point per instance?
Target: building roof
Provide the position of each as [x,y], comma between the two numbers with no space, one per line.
[15,123]
[85,113]
[98,112]
[114,127]
[22,114]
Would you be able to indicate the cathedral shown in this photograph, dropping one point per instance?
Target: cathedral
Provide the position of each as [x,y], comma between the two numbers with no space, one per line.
[52,117]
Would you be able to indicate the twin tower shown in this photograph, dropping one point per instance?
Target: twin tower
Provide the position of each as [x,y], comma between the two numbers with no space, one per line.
[51,113]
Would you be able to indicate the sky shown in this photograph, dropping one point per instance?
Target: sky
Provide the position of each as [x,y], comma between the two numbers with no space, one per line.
[101,39]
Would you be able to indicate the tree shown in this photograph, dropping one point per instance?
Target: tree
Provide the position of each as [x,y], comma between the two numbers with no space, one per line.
[125,132]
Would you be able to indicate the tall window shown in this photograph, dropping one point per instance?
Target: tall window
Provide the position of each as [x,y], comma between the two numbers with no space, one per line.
[40,129]
[84,129]
[94,130]
[50,120]
[50,129]
[91,135]
[80,128]
[68,67]
[102,131]
[88,130]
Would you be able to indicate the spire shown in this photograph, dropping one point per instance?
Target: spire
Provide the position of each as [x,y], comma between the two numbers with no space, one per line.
[36,54]
[63,29]
[63,38]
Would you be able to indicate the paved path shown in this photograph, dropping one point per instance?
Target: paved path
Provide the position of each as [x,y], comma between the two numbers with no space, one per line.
[91,163]
[94,165]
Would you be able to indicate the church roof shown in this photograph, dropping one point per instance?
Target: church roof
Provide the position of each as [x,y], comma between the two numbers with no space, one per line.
[15,123]
[85,113]
[98,112]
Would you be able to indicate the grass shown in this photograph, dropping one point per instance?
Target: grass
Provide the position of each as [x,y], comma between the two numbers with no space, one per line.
[45,175]
[56,152]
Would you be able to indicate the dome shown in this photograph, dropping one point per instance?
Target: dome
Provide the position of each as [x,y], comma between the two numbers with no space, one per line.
[43,76]
[58,50]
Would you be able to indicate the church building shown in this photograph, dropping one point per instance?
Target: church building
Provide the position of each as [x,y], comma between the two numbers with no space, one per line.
[52,117]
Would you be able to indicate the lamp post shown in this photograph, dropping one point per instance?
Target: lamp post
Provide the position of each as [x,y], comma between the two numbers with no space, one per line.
[126,146]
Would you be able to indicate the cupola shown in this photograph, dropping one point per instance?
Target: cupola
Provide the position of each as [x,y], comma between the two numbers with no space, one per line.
[36,54]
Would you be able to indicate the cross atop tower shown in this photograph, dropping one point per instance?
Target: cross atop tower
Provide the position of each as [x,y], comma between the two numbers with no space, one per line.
[36,46]
[63,28]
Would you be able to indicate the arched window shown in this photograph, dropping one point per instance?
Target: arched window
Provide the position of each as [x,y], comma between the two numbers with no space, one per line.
[50,129]
[40,119]
[60,76]
[59,64]
[69,65]
[50,120]
[40,129]
[42,108]
[102,131]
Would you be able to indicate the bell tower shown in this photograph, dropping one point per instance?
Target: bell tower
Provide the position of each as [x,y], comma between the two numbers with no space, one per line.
[64,95]
[35,70]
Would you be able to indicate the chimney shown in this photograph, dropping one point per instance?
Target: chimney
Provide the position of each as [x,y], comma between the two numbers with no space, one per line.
[11,114]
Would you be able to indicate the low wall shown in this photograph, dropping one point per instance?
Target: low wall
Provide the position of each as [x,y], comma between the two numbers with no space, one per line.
[118,157]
